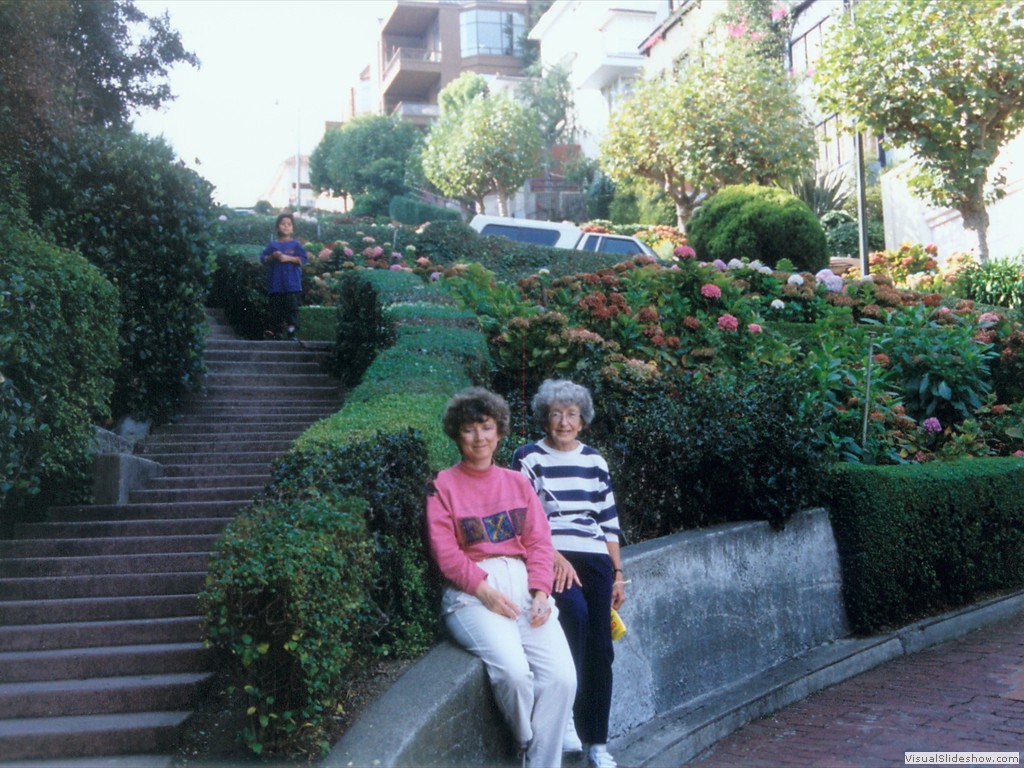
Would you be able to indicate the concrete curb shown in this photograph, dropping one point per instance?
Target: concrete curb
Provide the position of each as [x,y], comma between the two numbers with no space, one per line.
[676,737]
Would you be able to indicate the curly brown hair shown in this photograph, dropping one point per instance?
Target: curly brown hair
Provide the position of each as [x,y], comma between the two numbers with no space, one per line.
[473,405]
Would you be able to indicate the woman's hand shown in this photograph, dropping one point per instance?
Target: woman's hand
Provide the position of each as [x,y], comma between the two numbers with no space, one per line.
[495,601]
[565,574]
[540,609]
[618,592]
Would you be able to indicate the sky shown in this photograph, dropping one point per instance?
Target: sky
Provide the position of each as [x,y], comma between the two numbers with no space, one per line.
[272,72]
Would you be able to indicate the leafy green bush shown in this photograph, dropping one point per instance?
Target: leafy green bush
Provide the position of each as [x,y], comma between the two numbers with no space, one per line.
[130,207]
[317,323]
[763,223]
[58,355]
[725,446]
[388,470]
[943,371]
[363,329]
[844,239]
[918,539]
[411,210]
[286,600]
[239,289]
[999,282]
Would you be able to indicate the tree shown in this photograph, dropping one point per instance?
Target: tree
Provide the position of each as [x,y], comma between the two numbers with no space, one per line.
[734,119]
[481,143]
[68,63]
[373,158]
[945,80]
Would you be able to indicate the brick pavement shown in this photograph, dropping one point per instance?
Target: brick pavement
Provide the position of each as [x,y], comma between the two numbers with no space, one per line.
[963,695]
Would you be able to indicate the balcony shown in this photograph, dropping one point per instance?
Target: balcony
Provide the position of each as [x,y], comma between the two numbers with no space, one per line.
[417,113]
[411,73]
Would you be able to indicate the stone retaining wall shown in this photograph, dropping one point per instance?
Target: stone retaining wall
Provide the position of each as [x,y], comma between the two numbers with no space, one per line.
[706,610]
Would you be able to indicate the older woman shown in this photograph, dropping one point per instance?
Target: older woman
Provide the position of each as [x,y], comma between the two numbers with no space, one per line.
[573,483]
[491,540]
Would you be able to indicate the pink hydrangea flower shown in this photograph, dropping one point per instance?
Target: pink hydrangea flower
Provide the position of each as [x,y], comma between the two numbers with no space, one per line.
[685,252]
[349,252]
[728,323]
[710,291]
[423,261]
[988,317]
[396,267]
[754,328]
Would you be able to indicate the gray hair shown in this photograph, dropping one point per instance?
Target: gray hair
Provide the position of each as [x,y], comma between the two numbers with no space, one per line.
[561,391]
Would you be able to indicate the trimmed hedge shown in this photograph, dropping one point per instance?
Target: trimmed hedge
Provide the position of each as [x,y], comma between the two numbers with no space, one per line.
[126,203]
[747,221]
[919,539]
[411,210]
[58,357]
[286,603]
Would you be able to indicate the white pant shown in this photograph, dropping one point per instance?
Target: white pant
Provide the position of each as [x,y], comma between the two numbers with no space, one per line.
[531,669]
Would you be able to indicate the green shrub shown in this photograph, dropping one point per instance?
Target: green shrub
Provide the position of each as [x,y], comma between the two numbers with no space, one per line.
[944,372]
[725,446]
[239,289]
[58,354]
[844,239]
[919,539]
[999,282]
[318,323]
[127,204]
[388,469]
[411,210]
[763,223]
[286,600]
[363,329]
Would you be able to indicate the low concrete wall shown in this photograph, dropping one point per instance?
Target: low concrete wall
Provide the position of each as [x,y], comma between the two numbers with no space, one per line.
[706,610]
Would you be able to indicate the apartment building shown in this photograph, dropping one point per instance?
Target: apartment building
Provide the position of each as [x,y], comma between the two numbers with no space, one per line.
[426,44]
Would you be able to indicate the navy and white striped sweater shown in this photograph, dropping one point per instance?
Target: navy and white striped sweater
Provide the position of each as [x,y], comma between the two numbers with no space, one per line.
[576,491]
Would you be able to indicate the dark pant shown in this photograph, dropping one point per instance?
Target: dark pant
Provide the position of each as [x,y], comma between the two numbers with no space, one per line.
[284,310]
[585,615]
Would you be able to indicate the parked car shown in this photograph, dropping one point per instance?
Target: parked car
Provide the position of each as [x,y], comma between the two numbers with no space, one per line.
[558,235]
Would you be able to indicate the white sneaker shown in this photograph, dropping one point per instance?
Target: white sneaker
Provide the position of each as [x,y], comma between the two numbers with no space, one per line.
[599,757]
[571,741]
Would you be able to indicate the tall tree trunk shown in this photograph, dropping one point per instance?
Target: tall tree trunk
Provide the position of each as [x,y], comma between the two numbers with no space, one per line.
[975,217]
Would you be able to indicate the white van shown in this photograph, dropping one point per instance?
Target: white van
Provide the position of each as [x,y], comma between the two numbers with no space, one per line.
[558,235]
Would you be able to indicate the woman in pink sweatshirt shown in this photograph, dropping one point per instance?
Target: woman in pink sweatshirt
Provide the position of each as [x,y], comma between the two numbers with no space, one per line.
[490,538]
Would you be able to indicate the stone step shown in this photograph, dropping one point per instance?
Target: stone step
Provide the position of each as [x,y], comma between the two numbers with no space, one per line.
[188,495]
[85,735]
[162,483]
[233,444]
[108,661]
[94,634]
[101,695]
[156,511]
[105,585]
[93,565]
[224,365]
[80,609]
[107,545]
[173,471]
[225,431]
[185,525]
[212,458]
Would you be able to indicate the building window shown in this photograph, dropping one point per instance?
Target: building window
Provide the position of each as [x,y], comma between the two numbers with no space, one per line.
[617,91]
[806,49]
[491,33]
[830,145]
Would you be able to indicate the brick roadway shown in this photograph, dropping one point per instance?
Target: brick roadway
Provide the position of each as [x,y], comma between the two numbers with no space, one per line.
[963,695]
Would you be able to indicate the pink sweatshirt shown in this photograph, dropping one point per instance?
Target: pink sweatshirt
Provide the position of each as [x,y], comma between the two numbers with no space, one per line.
[474,514]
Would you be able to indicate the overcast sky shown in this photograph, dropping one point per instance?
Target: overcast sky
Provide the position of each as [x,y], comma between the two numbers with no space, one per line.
[272,72]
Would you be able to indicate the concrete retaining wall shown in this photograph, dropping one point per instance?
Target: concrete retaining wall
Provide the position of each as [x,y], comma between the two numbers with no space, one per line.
[705,611]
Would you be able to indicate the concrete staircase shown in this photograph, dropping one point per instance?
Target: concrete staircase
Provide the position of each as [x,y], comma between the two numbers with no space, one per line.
[101,648]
